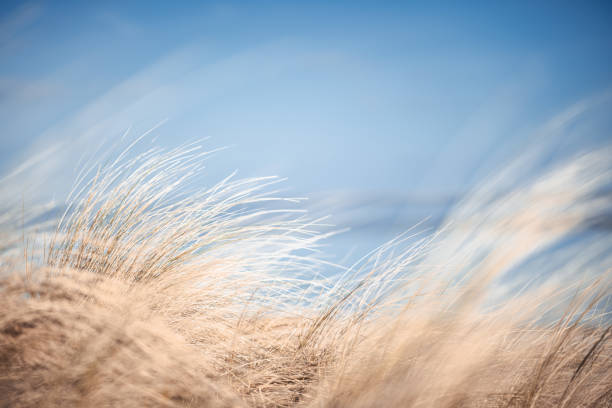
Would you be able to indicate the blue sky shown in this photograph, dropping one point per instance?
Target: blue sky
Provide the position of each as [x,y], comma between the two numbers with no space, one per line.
[385,102]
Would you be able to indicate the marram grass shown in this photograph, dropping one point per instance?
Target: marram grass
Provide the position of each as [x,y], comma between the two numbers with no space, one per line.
[149,293]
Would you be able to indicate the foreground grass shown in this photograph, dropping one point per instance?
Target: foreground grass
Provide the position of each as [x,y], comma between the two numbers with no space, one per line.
[149,294]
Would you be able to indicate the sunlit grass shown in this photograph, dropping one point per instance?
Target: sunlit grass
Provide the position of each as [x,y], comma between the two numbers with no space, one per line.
[148,292]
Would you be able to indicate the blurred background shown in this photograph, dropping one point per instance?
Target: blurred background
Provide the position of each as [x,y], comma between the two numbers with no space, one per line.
[382,113]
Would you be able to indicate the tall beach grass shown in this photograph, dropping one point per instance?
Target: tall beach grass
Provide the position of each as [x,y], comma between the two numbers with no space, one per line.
[149,292]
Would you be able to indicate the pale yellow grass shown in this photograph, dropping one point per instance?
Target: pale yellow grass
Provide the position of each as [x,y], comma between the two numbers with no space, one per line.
[150,294]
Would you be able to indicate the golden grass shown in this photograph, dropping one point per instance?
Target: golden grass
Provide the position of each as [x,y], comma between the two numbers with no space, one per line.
[150,294]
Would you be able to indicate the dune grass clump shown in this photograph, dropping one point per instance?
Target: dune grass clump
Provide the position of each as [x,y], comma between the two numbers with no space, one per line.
[151,293]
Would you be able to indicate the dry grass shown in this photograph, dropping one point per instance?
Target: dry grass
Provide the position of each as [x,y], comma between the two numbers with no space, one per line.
[150,294]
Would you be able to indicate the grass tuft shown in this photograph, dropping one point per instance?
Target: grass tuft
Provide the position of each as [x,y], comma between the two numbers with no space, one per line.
[148,292]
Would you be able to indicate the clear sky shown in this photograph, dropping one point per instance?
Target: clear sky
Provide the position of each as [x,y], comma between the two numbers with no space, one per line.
[371,100]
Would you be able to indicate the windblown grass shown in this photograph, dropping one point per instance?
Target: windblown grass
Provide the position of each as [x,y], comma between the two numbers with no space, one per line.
[148,293]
